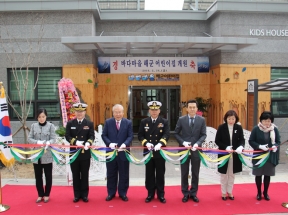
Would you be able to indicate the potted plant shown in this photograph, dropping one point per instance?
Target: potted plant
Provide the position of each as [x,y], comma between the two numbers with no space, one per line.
[61,131]
[203,105]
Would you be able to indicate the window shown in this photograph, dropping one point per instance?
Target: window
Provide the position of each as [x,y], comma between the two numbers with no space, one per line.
[279,100]
[45,94]
[150,95]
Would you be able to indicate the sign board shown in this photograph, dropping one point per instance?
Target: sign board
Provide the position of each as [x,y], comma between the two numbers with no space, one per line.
[132,65]
[252,103]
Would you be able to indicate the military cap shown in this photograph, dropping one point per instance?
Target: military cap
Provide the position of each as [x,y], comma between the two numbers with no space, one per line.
[80,106]
[154,105]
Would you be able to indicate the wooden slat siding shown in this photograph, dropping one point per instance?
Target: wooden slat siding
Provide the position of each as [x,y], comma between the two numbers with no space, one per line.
[233,90]
[118,89]
[192,85]
[79,76]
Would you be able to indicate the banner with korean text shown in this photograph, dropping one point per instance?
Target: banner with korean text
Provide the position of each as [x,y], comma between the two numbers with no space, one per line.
[120,65]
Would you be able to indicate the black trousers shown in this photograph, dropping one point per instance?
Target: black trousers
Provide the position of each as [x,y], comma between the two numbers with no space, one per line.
[155,182]
[80,173]
[38,170]
[195,168]
[115,168]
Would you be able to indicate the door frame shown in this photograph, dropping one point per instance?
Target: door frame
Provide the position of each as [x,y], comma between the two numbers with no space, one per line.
[130,98]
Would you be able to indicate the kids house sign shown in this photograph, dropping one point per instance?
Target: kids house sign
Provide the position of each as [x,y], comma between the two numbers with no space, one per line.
[269,32]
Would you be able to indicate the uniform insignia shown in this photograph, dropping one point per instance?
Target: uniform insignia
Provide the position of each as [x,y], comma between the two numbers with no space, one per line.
[146,128]
[160,125]
[161,130]
[73,127]
[86,127]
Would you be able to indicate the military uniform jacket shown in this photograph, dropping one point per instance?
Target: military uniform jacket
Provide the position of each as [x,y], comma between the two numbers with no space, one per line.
[154,133]
[83,132]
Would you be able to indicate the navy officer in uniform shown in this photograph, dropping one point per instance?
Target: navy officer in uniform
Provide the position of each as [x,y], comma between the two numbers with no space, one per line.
[154,133]
[80,132]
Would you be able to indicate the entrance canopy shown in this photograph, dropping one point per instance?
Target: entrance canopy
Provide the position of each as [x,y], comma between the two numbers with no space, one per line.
[157,44]
[280,84]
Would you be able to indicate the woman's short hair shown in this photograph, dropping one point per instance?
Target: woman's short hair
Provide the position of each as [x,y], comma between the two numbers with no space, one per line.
[41,110]
[266,115]
[231,113]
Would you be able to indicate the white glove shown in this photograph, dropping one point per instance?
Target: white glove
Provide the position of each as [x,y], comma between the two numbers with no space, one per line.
[122,147]
[40,142]
[239,150]
[86,146]
[47,144]
[263,147]
[187,144]
[149,146]
[229,148]
[79,143]
[112,145]
[274,148]
[194,148]
[158,147]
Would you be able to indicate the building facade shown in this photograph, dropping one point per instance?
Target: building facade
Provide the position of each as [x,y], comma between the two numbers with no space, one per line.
[243,40]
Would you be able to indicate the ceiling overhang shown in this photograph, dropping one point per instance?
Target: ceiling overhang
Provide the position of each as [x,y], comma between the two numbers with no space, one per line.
[280,84]
[154,45]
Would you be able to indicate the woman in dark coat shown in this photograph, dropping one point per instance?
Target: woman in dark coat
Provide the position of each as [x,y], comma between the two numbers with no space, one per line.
[263,137]
[230,137]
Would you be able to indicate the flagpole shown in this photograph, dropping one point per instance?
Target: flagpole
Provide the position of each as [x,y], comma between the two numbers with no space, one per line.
[2,207]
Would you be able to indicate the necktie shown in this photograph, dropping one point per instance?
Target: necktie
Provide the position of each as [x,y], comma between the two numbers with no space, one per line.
[153,121]
[191,122]
[117,125]
[79,122]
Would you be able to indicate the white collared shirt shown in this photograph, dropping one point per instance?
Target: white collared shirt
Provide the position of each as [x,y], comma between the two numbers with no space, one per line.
[154,119]
[119,121]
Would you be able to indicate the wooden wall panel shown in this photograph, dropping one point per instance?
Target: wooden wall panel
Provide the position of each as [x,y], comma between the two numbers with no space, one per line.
[192,85]
[232,91]
[219,84]
[80,74]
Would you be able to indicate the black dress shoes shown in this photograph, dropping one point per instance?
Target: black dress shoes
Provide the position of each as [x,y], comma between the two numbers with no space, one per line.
[258,197]
[109,198]
[149,199]
[162,200]
[76,199]
[224,198]
[124,198]
[85,199]
[266,197]
[231,197]
[185,199]
[194,198]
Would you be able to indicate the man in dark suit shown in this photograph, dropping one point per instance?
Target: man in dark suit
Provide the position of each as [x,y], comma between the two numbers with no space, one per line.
[80,132]
[190,131]
[118,133]
[154,133]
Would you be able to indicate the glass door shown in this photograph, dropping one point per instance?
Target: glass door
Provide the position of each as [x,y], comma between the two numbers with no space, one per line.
[168,96]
